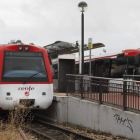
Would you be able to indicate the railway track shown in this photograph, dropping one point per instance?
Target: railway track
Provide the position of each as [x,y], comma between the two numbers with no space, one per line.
[47,131]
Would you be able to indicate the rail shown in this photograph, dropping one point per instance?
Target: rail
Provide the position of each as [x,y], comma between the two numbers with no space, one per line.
[48,130]
[124,94]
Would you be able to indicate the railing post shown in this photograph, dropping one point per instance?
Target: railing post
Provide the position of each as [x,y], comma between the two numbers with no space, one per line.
[124,95]
[82,90]
[100,91]
[67,84]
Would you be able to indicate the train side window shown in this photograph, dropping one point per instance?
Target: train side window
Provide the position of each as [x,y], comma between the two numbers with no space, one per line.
[130,67]
[118,67]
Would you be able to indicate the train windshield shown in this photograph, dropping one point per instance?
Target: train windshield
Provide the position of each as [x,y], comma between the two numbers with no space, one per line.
[19,66]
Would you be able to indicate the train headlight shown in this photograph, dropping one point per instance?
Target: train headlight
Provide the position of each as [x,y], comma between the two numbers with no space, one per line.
[20,48]
[43,93]
[26,48]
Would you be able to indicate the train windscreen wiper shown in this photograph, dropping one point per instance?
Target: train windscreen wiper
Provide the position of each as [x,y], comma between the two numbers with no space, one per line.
[32,76]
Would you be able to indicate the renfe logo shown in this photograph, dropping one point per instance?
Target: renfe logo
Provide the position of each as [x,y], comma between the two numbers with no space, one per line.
[26,88]
[27,93]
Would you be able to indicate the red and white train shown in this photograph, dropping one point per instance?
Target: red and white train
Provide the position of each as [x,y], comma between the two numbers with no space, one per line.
[113,65]
[25,76]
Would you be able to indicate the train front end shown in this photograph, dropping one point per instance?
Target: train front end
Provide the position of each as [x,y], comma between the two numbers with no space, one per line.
[25,77]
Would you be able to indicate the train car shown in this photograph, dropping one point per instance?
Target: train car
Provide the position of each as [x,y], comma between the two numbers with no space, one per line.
[25,77]
[113,65]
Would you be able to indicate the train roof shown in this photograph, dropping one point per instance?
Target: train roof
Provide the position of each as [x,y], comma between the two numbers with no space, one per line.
[125,53]
[10,47]
[7,45]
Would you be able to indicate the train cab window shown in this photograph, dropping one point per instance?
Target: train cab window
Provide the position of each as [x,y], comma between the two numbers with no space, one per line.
[118,67]
[19,66]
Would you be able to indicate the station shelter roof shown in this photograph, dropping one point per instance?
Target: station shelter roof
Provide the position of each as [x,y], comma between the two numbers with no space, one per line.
[61,47]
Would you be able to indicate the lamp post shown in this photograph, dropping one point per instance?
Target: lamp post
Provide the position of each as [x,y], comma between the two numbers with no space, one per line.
[82,7]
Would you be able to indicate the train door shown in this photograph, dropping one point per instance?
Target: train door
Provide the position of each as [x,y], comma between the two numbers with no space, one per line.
[106,67]
[99,68]
[118,67]
[103,67]
[130,65]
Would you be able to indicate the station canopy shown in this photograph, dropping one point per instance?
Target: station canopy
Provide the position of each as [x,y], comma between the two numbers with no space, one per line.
[61,47]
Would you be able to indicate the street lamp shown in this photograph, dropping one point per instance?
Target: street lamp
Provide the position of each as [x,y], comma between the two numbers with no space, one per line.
[82,7]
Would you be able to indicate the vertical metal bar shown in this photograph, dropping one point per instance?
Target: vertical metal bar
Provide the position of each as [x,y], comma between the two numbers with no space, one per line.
[80,59]
[113,93]
[128,103]
[138,97]
[133,94]
[90,72]
[82,42]
[108,94]
[116,94]
[124,95]
[82,97]
[105,90]
[100,91]
[67,85]
[89,62]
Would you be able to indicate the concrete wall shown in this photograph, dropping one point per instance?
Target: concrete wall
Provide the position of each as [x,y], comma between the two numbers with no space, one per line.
[104,118]
[57,111]
[98,117]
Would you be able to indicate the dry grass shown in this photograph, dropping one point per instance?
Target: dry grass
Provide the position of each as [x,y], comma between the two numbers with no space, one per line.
[17,118]
[9,133]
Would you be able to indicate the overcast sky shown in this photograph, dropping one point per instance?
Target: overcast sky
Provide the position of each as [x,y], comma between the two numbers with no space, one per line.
[115,23]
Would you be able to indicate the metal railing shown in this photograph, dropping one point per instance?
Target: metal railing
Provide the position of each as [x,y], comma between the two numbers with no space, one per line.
[124,94]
